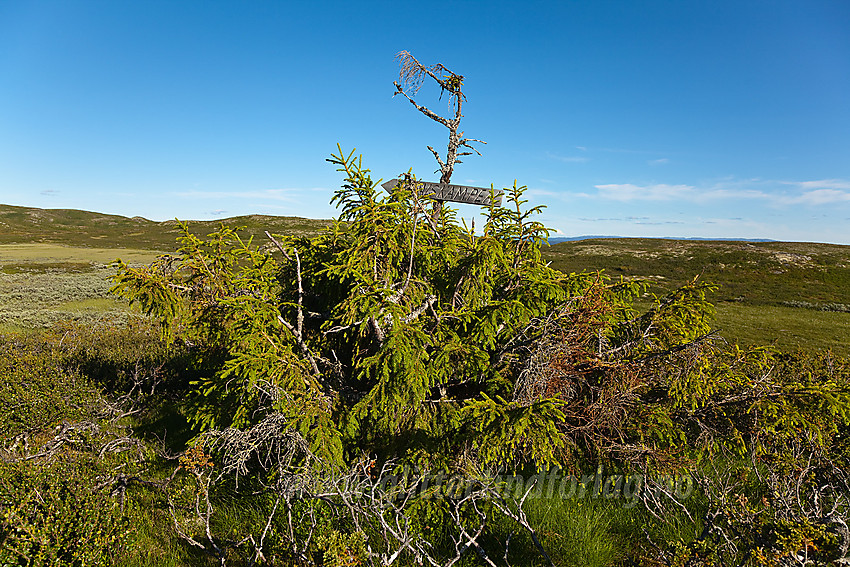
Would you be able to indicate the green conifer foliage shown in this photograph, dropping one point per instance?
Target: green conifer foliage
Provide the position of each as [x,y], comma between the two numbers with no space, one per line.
[409,337]
[400,337]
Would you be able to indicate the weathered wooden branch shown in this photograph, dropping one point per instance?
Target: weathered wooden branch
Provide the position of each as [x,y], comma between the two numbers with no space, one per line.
[278,245]
[429,301]
[423,109]
[437,155]
[411,74]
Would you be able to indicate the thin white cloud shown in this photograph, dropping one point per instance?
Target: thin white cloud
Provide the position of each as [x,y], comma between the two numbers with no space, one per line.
[733,194]
[658,223]
[817,192]
[818,197]
[840,184]
[289,194]
[567,159]
[660,192]
[812,193]
[661,161]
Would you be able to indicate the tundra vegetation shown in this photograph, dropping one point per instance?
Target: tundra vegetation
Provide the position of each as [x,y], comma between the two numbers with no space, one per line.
[397,390]
[400,389]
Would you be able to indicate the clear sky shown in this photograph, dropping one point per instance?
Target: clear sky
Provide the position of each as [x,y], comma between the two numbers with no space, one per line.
[634,118]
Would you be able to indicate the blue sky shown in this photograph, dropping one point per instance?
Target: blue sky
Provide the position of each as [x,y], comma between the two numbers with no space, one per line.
[651,118]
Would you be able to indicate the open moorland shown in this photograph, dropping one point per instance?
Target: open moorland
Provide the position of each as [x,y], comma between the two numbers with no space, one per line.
[409,405]
[792,294]
[55,264]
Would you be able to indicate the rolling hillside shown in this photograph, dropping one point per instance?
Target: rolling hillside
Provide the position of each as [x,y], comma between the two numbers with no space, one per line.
[757,273]
[71,227]
[792,294]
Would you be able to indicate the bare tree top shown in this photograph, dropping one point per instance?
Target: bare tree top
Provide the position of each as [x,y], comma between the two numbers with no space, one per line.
[412,73]
[410,77]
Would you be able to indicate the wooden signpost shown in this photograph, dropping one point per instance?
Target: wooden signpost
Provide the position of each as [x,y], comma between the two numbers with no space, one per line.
[454,193]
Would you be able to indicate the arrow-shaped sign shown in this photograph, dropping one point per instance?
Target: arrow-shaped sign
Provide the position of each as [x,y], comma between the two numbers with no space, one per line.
[455,193]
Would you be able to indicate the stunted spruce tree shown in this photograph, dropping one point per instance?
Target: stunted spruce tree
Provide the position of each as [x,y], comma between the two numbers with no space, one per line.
[391,340]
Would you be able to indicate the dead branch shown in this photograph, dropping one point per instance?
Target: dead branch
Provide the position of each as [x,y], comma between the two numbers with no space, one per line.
[411,75]
[514,511]
[297,330]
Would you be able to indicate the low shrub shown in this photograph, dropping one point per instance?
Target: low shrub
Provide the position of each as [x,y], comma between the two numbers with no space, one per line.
[36,392]
[53,515]
[834,307]
[68,452]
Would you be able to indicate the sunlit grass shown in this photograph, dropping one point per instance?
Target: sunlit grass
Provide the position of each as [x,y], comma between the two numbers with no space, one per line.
[788,328]
[57,254]
[578,531]
[41,284]
[93,305]
[41,298]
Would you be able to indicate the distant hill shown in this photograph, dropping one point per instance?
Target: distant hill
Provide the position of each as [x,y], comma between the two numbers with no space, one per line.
[557,239]
[793,294]
[20,225]
[754,272]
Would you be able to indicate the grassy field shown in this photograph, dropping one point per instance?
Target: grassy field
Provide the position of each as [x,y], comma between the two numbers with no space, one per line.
[787,328]
[41,284]
[795,295]
[35,256]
